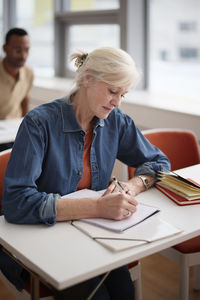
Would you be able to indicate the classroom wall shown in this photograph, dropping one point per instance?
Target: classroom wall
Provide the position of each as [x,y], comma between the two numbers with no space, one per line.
[147,117]
[148,110]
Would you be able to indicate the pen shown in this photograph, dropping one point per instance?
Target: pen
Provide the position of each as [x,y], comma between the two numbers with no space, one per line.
[118,184]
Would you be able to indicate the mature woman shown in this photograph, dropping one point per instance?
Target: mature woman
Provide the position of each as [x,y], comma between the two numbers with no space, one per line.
[71,144]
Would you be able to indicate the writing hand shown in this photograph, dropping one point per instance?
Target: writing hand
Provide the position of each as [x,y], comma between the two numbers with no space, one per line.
[116,206]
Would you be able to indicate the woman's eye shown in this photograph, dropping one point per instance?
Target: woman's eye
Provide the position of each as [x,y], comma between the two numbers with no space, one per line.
[112,92]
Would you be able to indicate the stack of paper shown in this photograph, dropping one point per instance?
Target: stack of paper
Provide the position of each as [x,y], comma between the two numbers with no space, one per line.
[150,230]
[181,190]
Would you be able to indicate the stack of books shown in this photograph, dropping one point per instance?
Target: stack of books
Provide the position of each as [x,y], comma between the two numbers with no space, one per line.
[179,189]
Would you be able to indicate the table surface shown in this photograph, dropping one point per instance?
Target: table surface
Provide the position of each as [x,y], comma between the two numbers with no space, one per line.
[8,130]
[64,256]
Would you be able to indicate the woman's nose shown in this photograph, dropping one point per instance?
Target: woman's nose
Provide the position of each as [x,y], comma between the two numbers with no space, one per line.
[116,100]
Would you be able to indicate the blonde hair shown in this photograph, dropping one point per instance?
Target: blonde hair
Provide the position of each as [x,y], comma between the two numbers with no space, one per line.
[112,66]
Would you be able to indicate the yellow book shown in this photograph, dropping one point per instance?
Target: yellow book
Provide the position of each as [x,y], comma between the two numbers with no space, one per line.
[179,185]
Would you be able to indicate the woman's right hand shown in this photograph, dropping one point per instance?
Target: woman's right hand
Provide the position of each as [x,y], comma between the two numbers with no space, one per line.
[117,206]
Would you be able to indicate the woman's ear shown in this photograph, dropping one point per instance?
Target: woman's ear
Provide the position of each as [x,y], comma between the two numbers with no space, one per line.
[87,79]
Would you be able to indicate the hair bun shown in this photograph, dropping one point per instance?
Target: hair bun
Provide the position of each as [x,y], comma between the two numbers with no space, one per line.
[80,60]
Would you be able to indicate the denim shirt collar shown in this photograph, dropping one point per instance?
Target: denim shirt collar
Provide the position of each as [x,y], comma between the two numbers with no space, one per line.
[69,121]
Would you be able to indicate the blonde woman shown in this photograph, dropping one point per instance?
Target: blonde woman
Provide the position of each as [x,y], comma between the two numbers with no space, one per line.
[71,144]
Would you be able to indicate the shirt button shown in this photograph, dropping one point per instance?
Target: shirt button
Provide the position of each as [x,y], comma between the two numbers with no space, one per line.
[79,173]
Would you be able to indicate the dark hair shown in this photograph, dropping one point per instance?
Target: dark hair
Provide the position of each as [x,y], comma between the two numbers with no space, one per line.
[15,31]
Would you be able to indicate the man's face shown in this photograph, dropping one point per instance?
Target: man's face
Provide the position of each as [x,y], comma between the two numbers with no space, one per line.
[17,50]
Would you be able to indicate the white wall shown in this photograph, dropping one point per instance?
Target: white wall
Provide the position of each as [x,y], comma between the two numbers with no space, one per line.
[147,109]
[147,116]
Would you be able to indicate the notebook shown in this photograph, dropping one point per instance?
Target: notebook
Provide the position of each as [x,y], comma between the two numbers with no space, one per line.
[181,186]
[175,197]
[152,229]
[143,212]
[146,228]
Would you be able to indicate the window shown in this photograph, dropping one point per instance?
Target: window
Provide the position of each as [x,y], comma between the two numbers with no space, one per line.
[188,26]
[174,61]
[37,18]
[189,53]
[58,27]
[77,5]
[1,26]
[85,25]
[103,35]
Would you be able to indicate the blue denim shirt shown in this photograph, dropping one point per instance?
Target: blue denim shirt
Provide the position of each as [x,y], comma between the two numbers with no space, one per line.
[47,159]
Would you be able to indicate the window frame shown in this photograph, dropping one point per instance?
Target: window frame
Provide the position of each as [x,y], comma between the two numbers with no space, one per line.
[63,20]
[9,15]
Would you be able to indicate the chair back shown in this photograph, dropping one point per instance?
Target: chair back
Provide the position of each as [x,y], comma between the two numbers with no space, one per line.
[180,146]
[4,158]
[45,292]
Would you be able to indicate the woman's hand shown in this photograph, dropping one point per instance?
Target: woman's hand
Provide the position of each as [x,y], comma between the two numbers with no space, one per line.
[132,187]
[112,205]
[116,205]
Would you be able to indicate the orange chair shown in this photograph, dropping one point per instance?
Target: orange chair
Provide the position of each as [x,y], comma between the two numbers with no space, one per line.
[182,149]
[4,157]
[45,293]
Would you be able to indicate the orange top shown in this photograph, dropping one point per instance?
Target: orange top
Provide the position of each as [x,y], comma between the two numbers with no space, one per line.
[4,158]
[86,179]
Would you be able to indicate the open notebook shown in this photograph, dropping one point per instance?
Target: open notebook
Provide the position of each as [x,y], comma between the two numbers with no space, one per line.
[143,212]
[147,230]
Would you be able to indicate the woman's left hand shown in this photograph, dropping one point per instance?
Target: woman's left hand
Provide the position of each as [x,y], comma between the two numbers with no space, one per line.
[133,187]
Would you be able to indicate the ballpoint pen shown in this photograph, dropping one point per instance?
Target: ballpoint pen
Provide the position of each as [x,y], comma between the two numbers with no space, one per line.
[121,189]
[118,184]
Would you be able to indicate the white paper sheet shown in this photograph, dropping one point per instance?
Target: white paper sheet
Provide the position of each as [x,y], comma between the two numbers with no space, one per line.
[148,231]
[143,212]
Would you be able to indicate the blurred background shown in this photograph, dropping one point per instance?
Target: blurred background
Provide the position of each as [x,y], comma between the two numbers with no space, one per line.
[163,36]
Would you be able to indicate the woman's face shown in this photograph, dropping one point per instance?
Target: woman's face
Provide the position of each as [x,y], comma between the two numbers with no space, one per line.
[102,97]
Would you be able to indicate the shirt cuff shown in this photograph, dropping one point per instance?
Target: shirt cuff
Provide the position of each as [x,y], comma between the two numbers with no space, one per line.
[47,210]
[149,168]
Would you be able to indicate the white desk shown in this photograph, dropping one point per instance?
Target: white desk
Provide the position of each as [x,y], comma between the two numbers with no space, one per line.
[8,130]
[65,256]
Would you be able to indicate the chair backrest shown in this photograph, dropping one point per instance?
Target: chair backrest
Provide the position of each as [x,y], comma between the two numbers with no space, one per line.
[180,146]
[44,291]
[4,158]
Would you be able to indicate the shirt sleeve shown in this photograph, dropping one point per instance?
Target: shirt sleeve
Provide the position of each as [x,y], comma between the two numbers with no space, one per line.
[22,202]
[136,151]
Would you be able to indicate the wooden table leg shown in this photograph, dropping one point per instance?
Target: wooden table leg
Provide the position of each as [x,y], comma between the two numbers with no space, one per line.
[35,287]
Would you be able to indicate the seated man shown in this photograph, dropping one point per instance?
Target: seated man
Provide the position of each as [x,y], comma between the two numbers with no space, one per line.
[16,78]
